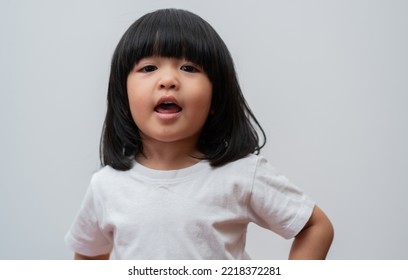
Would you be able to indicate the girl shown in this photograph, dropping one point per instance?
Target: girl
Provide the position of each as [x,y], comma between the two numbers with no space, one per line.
[180,177]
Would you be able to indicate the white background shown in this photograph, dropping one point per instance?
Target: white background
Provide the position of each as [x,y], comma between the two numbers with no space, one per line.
[328,81]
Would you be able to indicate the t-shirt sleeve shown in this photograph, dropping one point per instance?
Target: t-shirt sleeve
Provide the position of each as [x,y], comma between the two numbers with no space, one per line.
[276,203]
[86,236]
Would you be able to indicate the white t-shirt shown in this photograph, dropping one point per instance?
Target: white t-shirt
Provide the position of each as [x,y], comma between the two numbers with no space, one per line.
[199,212]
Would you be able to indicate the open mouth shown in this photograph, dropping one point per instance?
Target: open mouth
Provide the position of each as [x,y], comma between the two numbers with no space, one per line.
[167,107]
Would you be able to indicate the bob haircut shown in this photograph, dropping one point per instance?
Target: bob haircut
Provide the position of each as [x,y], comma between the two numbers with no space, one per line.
[230,131]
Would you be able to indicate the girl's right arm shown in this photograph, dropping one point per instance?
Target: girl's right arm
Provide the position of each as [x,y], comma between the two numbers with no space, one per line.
[83,257]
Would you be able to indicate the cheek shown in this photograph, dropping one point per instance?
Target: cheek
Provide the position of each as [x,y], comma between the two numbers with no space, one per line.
[134,89]
[206,104]
[204,96]
[207,98]
[202,107]
[137,108]
[137,103]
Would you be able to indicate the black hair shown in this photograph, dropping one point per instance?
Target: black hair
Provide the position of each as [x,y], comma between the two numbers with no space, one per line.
[231,129]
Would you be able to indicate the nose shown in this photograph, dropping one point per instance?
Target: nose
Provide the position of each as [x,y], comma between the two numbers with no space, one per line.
[169,79]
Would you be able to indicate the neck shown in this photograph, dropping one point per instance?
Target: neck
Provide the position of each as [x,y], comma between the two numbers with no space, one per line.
[168,156]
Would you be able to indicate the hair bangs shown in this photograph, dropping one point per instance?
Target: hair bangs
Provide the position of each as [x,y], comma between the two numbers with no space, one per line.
[169,34]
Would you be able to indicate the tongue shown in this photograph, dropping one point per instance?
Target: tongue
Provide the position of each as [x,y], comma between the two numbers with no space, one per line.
[168,109]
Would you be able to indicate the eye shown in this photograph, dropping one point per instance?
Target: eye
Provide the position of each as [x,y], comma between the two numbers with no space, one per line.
[190,68]
[148,68]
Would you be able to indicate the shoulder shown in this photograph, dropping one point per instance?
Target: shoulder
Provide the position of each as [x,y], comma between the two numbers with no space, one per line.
[104,173]
[249,167]
[261,172]
[107,177]
[250,163]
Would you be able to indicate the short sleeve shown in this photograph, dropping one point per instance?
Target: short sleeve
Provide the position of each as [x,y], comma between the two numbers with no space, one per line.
[276,203]
[85,236]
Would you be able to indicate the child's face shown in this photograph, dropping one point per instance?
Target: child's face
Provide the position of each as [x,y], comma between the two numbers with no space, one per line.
[169,99]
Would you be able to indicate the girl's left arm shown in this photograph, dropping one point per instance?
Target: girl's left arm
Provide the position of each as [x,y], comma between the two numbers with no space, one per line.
[314,240]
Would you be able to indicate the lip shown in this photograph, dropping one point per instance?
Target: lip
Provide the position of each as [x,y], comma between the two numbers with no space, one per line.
[167,116]
[167,99]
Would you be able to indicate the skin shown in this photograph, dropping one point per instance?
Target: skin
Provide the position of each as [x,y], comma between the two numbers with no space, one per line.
[314,240]
[83,257]
[170,138]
